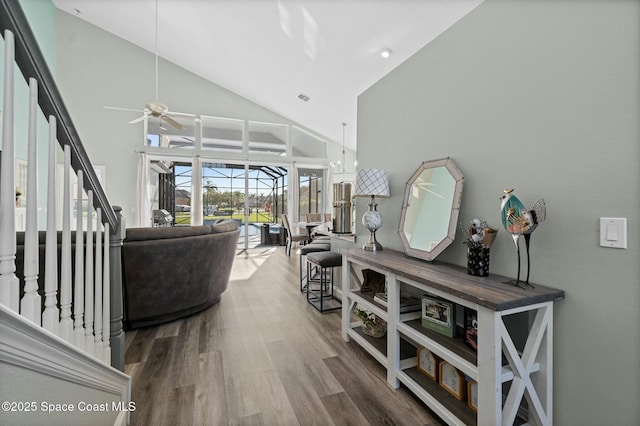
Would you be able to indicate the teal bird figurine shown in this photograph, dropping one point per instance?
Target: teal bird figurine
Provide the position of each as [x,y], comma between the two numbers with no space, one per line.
[518,220]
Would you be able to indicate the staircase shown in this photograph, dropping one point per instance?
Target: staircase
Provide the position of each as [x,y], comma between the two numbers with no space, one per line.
[62,342]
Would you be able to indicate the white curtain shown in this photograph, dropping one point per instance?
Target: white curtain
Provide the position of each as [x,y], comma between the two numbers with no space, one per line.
[196,191]
[294,193]
[143,202]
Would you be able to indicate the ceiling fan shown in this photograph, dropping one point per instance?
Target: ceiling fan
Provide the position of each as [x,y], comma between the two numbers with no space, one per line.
[156,108]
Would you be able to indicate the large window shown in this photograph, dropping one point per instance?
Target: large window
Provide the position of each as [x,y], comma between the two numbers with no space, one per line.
[244,170]
[253,194]
[183,177]
[174,131]
[222,134]
[227,136]
[310,194]
[267,138]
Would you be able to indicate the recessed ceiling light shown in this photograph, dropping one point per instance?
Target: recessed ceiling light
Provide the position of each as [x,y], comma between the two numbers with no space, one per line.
[386,52]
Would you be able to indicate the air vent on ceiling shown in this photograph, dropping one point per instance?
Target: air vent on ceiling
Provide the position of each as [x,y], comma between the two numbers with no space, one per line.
[303,97]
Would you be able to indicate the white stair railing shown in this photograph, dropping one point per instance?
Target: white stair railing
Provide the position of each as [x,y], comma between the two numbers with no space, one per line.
[51,312]
[30,305]
[83,322]
[9,290]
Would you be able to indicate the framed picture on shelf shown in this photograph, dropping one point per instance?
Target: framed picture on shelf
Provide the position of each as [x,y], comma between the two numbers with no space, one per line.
[471,328]
[439,315]
[472,395]
[452,380]
[427,363]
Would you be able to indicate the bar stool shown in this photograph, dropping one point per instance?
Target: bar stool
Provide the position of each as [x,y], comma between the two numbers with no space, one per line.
[322,238]
[322,298]
[314,247]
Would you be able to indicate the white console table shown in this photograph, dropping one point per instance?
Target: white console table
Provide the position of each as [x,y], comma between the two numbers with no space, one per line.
[498,364]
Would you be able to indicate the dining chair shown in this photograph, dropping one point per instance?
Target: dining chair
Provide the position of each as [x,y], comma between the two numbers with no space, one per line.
[313,217]
[292,237]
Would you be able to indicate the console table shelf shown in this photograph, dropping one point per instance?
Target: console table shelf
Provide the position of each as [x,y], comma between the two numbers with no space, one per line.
[497,361]
[455,344]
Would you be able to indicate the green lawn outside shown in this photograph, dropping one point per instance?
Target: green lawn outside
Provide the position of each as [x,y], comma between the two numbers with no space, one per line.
[184,218]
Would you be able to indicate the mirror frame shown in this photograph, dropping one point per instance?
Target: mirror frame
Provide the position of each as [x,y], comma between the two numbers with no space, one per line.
[453,218]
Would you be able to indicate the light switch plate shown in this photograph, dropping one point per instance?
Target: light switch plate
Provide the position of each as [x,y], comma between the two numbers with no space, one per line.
[613,232]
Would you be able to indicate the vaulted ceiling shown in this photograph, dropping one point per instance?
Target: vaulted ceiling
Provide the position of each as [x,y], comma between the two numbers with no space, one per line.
[273,51]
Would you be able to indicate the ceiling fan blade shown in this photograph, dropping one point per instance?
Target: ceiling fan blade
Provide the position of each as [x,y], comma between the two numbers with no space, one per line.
[181,115]
[173,122]
[122,109]
[137,120]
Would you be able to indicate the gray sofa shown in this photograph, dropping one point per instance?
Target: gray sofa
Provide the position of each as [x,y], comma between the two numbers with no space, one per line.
[170,273]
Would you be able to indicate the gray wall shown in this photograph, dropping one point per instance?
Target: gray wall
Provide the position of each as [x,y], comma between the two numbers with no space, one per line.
[97,69]
[542,97]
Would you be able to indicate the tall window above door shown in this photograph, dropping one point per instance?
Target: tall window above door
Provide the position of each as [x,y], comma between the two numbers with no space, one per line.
[267,139]
[222,134]
[237,139]
[179,132]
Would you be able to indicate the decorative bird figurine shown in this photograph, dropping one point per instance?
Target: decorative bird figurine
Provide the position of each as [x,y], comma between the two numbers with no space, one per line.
[518,220]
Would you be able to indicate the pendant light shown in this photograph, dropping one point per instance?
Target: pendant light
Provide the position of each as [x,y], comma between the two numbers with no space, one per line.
[344,153]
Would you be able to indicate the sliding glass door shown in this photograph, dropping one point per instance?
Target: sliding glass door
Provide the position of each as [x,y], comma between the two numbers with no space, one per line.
[253,195]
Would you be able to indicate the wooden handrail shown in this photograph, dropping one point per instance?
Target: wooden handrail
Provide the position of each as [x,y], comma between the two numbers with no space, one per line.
[32,63]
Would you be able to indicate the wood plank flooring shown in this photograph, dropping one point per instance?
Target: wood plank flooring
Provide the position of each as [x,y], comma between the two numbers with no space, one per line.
[262,356]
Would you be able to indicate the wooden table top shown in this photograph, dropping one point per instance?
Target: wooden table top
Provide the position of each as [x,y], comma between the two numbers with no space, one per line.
[493,292]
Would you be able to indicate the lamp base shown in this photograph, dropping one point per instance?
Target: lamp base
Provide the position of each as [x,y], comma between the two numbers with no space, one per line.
[372,245]
[372,220]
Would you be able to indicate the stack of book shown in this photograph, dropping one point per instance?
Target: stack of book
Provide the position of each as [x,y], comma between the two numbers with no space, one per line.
[408,303]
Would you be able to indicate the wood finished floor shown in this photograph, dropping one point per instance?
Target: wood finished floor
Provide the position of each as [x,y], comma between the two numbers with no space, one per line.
[262,356]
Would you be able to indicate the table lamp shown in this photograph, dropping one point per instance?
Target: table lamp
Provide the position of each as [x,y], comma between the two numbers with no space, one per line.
[373,183]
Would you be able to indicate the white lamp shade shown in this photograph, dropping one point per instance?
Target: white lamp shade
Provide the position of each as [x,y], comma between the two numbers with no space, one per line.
[372,182]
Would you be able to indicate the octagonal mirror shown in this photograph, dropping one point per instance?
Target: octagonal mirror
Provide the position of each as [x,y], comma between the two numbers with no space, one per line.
[430,209]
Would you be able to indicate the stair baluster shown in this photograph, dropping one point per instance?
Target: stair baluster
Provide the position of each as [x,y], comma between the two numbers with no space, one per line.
[97,300]
[9,286]
[78,300]
[30,305]
[66,322]
[51,315]
[88,280]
